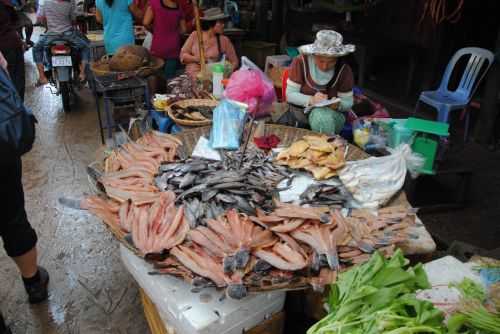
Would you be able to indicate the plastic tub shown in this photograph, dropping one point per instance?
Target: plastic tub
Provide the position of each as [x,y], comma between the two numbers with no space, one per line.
[397,133]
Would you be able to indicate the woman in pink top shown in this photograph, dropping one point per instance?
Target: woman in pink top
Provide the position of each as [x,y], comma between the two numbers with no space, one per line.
[216,45]
[166,19]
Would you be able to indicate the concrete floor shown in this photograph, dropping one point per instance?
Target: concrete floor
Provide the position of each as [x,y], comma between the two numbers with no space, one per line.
[90,290]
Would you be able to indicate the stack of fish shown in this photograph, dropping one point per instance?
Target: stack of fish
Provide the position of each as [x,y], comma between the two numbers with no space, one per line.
[324,194]
[130,170]
[208,188]
[291,244]
[153,228]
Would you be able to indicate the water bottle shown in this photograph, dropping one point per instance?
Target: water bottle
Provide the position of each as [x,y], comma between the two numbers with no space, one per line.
[217,77]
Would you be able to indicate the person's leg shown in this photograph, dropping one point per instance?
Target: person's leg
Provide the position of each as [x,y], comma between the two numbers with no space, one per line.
[18,236]
[170,68]
[38,56]
[29,32]
[15,60]
[81,43]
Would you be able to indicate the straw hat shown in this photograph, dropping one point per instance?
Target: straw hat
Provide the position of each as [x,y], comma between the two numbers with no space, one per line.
[328,43]
[214,14]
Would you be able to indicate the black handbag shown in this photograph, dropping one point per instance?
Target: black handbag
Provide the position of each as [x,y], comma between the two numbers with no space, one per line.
[17,123]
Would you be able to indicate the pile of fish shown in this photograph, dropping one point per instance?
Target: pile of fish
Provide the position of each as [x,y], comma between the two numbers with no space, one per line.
[153,227]
[292,244]
[130,170]
[209,188]
[320,155]
[192,113]
[219,223]
[324,194]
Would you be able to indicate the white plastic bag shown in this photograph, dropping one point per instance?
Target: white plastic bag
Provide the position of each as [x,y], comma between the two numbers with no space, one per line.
[373,181]
[148,40]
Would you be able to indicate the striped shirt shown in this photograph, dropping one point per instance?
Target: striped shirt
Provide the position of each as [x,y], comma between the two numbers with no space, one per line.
[59,15]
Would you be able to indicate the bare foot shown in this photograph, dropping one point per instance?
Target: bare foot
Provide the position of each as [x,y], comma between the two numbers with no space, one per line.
[82,77]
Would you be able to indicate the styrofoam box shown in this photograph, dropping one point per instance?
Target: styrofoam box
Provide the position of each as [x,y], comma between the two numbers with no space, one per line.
[441,273]
[205,312]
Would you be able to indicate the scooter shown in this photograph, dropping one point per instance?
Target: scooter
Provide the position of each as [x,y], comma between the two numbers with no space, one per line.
[63,71]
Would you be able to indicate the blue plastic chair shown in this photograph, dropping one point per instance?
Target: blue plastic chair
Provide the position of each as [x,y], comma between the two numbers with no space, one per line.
[445,100]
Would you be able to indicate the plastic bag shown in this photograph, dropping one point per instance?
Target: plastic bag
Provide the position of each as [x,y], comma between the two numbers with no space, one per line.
[373,181]
[228,123]
[368,135]
[148,40]
[251,86]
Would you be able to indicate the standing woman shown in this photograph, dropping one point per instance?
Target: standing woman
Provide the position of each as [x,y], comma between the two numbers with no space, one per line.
[166,20]
[117,17]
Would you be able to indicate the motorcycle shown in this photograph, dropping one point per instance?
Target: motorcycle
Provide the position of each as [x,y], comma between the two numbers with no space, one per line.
[63,71]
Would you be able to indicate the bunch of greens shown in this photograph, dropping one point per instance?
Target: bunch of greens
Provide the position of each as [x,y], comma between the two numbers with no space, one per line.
[472,316]
[378,297]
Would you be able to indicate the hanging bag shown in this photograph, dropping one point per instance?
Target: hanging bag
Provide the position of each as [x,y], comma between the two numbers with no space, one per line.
[17,123]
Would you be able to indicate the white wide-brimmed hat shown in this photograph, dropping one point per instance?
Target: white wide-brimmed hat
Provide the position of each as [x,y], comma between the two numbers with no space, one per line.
[214,14]
[328,43]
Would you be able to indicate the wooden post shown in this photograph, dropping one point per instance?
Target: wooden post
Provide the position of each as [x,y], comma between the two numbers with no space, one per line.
[199,33]
[489,108]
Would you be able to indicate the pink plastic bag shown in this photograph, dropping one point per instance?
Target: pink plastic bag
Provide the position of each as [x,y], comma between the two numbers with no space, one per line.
[248,86]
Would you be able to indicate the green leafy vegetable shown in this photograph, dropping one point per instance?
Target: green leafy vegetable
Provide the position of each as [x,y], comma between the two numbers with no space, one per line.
[470,289]
[472,315]
[378,297]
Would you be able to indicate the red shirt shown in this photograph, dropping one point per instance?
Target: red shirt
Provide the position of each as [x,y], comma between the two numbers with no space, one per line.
[166,42]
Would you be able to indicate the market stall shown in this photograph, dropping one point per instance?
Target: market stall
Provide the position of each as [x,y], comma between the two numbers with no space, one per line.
[175,218]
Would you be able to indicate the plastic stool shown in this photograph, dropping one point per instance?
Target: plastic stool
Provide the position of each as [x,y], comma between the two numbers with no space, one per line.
[163,122]
[277,61]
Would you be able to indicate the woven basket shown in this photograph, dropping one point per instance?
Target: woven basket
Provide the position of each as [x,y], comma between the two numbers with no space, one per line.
[286,134]
[101,68]
[191,103]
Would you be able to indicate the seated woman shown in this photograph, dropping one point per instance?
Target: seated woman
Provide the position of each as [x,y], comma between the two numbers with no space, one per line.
[318,74]
[216,45]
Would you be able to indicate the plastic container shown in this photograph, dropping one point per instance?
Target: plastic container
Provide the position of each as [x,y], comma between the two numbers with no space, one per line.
[217,77]
[206,312]
[426,142]
[399,133]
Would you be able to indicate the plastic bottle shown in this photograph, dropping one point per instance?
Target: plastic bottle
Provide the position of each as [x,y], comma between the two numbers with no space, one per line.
[217,76]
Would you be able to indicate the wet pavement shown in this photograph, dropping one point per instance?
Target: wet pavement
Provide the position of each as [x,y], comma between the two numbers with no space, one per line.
[90,290]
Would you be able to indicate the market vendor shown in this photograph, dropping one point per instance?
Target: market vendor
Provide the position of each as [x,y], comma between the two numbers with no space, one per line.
[320,73]
[216,45]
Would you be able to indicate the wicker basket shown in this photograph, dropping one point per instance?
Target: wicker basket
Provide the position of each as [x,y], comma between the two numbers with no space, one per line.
[101,68]
[286,134]
[191,103]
